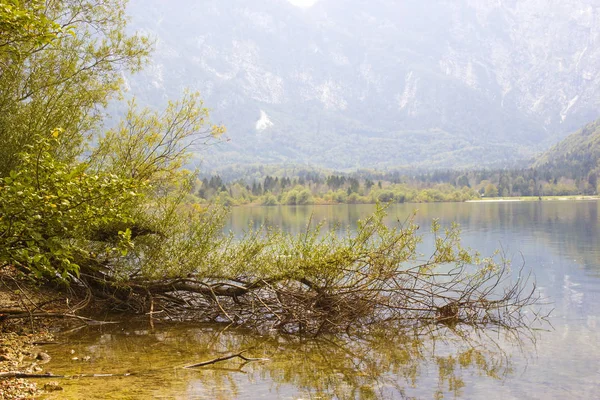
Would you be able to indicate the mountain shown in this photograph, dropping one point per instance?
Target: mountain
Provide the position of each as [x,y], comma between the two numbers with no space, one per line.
[577,156]
[357,83]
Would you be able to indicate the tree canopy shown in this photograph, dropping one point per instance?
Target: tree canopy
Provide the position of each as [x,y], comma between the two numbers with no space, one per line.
[62,61]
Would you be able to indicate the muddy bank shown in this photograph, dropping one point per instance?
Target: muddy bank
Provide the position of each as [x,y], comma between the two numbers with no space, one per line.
[23,336]
[20,355]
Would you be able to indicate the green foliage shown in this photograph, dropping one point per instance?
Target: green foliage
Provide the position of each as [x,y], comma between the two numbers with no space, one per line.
[152,146]
[64,209]
[491,190]
[49,209]
[298,196]
[61,77]
[324,281]
[416,185]
[385,196]
[313,188]
[24,27]
[269,200]
[576,156]
[561,188]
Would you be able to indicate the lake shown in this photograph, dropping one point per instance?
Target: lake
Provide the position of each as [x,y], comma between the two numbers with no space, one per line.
[557,240]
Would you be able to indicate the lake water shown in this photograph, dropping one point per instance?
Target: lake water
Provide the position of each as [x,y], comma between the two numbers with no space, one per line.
[557,240]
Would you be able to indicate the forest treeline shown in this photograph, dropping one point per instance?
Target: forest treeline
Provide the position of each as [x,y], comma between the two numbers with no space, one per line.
[571,167]
[297,186]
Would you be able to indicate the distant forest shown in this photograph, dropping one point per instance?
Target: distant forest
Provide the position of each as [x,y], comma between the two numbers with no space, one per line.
[571,167]
[293,186]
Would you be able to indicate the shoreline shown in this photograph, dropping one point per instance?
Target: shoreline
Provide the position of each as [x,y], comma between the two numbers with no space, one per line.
[482,200]
[534,198]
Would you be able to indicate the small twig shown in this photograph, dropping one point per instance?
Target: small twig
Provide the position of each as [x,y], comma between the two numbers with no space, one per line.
[216,299]
[84,303]
[23,304]
[155,312]
[88,321]
[18,374]
[224,358]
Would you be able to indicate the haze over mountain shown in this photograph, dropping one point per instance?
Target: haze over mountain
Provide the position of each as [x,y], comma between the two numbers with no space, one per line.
[355,83]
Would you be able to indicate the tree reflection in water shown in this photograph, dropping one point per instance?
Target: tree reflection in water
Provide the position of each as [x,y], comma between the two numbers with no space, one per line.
[435,362]
[386,364]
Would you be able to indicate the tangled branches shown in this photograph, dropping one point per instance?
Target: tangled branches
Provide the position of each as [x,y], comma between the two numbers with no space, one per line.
[320,282]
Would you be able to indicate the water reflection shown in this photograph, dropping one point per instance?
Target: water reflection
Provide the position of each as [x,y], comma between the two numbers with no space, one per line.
[566,227]
[425,364]
[559,241]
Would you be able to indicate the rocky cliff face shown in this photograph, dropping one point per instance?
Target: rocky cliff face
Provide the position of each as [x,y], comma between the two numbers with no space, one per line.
[350,83]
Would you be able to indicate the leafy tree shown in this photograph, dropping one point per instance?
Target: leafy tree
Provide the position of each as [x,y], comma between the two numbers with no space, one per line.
[151,146]
[462,181]
[304,197]
[51,211]
[290,198]
[354,185]
[84,45]
[61,212]
[491,190]
[385,196]
[269,200]
[24,28]
[521,187]
[593,180]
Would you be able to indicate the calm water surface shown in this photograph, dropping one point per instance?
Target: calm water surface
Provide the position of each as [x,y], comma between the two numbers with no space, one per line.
[558,241]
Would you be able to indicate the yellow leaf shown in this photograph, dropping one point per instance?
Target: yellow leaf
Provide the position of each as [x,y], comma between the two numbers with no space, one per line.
[56,132]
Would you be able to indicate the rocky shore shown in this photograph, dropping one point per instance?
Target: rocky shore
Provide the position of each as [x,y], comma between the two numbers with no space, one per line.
[19,354]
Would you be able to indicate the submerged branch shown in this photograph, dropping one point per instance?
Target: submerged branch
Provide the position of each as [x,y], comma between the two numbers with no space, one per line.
[18,374]
[225,358]
[89,321]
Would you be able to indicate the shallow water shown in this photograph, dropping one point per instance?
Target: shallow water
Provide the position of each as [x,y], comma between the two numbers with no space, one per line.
[558,241]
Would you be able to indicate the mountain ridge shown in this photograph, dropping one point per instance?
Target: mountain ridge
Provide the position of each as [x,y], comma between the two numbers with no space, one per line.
[372,84]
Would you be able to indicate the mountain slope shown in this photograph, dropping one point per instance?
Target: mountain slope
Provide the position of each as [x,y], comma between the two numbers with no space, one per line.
[354,83]
[577,156]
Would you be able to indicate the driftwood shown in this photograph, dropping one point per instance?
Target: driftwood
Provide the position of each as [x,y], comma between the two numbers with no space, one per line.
[19,374]
[26,315]
[224,358]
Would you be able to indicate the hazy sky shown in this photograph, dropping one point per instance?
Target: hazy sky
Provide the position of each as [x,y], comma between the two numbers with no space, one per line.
[303,3]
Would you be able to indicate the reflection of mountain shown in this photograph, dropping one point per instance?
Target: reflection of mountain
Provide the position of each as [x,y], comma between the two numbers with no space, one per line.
[351,83]
[570,230]
[575,232]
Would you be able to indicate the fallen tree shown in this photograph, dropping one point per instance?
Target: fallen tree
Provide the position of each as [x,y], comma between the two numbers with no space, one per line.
[315,282]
